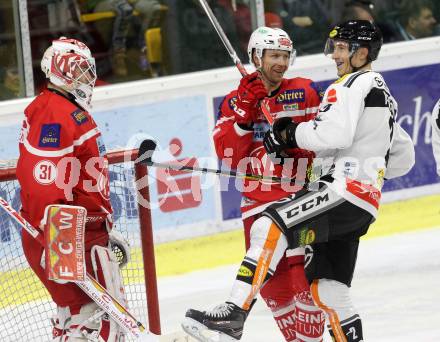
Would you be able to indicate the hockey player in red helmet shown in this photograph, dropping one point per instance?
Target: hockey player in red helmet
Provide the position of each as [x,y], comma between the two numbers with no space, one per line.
[68,65]
[238,136]
[63,161]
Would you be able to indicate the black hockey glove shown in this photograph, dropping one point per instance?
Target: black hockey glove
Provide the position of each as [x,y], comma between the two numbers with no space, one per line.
[273,142]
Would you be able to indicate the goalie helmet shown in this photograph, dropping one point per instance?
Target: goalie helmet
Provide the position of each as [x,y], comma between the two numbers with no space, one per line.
[270,38]
[68,64]
[357,33]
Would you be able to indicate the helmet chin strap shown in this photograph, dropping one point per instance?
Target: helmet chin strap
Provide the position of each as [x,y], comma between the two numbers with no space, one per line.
[355,69]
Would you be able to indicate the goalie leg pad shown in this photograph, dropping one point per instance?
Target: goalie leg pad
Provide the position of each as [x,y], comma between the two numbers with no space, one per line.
[86,324]
[60,322]
[82,323]
[108,274]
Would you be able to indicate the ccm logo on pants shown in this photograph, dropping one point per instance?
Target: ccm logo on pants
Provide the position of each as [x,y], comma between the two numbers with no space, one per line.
[308,206]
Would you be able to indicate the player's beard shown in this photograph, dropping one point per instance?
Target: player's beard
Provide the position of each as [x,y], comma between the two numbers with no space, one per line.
[272,79]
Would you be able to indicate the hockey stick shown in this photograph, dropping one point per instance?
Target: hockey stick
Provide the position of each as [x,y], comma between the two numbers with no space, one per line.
[233,54]
[145,156]
[93,289]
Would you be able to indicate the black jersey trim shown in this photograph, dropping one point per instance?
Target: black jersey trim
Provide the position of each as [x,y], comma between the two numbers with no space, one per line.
[276,91]
[69,97]
[437,121]
[353,78]
[376,98]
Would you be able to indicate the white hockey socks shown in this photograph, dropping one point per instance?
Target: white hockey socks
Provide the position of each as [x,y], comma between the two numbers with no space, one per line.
[268,245]
[333,298]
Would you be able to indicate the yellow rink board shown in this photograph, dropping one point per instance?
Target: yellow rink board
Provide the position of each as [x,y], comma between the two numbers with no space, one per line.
[184,256]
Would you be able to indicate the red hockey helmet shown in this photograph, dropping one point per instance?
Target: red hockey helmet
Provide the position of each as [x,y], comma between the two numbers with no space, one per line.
[69,64]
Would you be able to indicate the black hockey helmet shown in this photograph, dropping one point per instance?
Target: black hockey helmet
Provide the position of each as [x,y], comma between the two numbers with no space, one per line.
[358,33]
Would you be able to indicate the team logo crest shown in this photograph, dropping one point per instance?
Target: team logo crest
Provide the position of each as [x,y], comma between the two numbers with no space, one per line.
[285,42]
[79,117]
[80,93]
[331,96]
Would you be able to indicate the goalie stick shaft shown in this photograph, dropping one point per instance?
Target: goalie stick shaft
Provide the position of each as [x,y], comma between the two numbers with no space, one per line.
[148,147]
[93,289]
[233,54]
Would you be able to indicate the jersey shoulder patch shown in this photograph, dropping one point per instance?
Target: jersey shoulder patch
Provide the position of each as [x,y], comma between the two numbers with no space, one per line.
[101,146]
[318,89]
[50,135]
[79,116]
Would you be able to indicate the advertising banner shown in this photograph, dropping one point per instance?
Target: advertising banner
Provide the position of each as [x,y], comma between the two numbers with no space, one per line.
[180,128]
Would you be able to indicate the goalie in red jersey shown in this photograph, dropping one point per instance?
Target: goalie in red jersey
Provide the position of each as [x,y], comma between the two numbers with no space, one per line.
[238,138]
[63,161]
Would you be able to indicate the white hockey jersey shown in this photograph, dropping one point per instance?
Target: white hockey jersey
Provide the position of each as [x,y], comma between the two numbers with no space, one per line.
[357,134]
[435,121]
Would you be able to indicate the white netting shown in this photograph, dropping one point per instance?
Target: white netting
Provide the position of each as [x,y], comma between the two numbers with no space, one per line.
[25,305]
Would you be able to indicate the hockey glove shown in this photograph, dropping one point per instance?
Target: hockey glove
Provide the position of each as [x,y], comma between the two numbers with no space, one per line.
[250,92]
[274,143]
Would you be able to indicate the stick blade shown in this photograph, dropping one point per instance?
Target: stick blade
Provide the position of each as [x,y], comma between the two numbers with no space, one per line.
[146,150]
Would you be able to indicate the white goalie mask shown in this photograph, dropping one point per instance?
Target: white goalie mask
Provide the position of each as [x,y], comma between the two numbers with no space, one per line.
[69,64]
[270,38]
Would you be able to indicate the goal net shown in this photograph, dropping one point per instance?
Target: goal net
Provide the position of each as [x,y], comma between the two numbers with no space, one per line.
[25,305]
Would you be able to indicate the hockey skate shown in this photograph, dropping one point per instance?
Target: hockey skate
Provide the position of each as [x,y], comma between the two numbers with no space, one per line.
[224,323]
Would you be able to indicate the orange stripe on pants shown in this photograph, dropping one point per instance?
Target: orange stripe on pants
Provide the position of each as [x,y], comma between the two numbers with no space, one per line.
[263,263]
[331,314]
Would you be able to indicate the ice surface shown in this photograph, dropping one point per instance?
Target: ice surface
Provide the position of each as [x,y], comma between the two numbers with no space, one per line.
[396,289]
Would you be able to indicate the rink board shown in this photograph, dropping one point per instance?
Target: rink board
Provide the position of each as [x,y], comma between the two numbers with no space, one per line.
[183,109]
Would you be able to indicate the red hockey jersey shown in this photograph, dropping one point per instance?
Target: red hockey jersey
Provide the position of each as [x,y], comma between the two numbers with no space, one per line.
[62,159]
[242,149]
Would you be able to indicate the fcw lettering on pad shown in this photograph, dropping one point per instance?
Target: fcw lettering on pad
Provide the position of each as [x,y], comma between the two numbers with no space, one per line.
[66,221]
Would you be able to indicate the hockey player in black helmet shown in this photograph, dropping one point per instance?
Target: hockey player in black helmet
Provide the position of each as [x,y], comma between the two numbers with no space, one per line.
[356,126]
[353,45]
